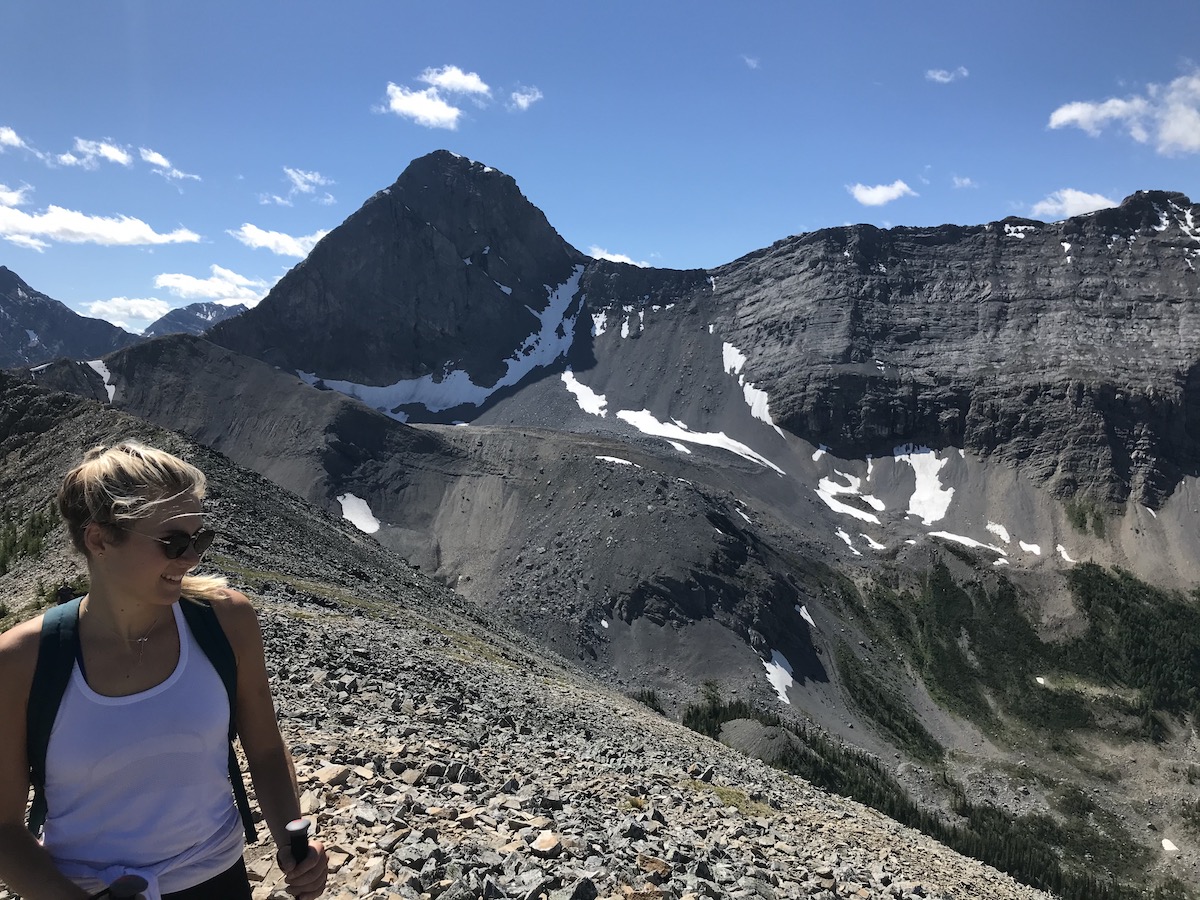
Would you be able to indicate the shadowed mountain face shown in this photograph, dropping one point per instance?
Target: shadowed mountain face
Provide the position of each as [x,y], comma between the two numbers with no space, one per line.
[36,329]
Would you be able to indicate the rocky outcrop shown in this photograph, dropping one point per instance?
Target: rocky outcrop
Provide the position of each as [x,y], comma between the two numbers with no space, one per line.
[36,329]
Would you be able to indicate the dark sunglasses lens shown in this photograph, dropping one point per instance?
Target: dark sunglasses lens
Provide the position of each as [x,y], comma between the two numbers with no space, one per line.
[203,540]
[177,544]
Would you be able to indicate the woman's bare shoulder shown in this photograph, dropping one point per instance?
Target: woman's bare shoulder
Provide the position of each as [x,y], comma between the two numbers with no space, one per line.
[18,655]
[238,619]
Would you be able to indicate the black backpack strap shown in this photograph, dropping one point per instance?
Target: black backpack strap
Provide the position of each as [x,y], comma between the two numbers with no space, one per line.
[206,629]
[57,648]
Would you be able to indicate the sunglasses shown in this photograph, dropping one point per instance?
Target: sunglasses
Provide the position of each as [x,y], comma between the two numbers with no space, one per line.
[177,542]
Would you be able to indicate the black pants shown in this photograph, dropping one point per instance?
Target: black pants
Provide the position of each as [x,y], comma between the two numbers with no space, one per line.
[232,884]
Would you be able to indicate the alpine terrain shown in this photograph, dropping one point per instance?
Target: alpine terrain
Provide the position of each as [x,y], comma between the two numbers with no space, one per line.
[911,513]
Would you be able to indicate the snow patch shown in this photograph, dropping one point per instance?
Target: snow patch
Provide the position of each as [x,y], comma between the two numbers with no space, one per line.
[967,542]
[804,614]
[849,543]
[929,500]
[999,531]
[356,511]
[1035,549]
[1169,845]
[604,623]
[757,400]
[682,448]
[589,401]
[599,323]
[873,544]
[102,370]
[618,461]
[644,421]
[779,673]
[455,388]
[819,452]
[1062,551]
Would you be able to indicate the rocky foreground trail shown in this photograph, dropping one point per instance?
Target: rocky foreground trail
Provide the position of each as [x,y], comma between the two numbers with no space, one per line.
[439,764]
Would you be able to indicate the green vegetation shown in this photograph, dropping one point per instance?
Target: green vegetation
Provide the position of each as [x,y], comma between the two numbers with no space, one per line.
[885,707]
[25,537]
[1085,515]
[649,698]
[1027,847]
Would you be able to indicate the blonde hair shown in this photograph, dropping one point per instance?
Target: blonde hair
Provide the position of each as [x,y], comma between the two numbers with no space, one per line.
[115,487]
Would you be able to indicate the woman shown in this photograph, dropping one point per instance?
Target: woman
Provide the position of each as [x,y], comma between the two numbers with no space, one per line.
[136,770]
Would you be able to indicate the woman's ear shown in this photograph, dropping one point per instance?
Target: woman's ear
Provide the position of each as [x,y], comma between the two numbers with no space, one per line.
[95,539]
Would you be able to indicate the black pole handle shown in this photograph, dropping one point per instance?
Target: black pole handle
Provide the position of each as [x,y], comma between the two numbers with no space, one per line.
[124,888]
[297,830]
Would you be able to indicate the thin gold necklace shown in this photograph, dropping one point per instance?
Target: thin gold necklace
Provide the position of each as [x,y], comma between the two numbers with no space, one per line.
[140,641]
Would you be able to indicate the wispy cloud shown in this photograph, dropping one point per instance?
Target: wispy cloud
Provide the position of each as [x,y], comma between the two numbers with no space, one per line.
[9,138]
[89,154]
[130,313]
[1070,202]
[163,166]
[600,253]
[301,183]
[276,241]
[223,286]
[1167,115]
[69,226]
[880,194]
[523,98]
[963,182]
[750,61]
[945,76]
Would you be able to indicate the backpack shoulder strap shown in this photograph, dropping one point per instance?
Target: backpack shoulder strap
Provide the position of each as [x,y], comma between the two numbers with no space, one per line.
[57,648]
[206,629]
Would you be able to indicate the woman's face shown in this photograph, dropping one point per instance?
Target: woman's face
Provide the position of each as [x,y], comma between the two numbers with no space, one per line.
[138,565]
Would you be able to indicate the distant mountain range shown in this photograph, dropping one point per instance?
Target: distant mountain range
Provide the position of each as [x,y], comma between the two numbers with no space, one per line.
[849,478]
[36,329]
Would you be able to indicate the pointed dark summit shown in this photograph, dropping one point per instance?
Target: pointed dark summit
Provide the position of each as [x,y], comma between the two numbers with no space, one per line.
[443,267]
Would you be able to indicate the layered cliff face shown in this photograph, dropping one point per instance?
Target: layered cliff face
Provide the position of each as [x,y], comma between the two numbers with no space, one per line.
[445,270]
[1069,348]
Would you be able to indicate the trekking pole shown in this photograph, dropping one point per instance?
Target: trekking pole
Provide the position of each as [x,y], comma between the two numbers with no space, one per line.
[124,888]
[297,830]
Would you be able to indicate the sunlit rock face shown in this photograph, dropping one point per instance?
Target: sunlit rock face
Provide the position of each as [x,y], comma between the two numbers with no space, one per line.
[1070,348]
[36,329]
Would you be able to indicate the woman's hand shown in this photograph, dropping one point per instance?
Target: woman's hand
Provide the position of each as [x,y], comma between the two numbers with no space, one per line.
[305,879]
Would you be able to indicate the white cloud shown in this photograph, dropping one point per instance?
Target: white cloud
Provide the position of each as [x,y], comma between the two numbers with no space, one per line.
[600,253]
[29,243]
[224,286]
[120,310]
[750,61]
[13,197]
[961,182]
[163,166]
[425,107]
[273,199]
[88,154]
[945,76]
[154,158]
[276,241]
[1070,202]
[879,194]
[9,138]
[525,97]
[72,227]
[1170,115]
[455,80]
[305,182]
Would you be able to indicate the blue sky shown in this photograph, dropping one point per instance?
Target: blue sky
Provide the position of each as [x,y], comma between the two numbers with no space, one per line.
[158,153]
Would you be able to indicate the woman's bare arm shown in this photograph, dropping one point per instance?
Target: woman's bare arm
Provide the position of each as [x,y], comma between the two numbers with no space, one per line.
[25,867]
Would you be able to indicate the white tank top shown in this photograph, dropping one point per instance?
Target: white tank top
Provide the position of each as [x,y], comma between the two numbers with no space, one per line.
[142,781]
